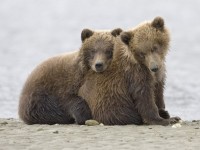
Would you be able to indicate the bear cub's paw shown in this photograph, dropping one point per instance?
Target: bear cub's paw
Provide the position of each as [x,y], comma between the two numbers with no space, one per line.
[164,114]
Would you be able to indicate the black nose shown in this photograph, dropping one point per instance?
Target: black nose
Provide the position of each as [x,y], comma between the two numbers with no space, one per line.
[154,69]
[99,66]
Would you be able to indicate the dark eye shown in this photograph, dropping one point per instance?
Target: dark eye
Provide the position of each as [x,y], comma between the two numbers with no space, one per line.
[109,53]
[92,51]
[154,49]
[142,55]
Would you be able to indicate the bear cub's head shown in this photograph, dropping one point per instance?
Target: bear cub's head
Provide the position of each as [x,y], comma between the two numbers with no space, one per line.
[97,48]
[148,43]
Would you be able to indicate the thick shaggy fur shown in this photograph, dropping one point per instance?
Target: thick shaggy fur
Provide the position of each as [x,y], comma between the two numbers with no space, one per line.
[49,95]
[130,91]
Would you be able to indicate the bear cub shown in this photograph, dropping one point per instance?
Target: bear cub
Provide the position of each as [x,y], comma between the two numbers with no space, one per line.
[130,90]
[50,94]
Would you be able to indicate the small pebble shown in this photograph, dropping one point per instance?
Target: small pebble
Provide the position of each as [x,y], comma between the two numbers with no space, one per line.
[85,130]
[196,128]
[101,124]
[194,120]
[40,129]
[91,122]
[4,123]
[55,132]
[177,125]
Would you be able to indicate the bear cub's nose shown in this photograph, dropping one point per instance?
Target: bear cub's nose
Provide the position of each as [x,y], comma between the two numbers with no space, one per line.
[99,66]
[154,69]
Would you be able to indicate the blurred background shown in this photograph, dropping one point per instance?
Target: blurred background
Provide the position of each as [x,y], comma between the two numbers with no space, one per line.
[33,30]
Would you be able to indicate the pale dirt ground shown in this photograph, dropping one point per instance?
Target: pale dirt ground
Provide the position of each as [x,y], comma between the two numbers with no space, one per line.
[31,31]
[18,136]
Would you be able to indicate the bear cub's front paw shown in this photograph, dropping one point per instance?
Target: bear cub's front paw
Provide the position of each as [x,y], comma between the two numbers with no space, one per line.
[164,114]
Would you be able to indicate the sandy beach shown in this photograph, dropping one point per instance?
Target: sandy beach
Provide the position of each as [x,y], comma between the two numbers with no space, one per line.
[14,134]
[32,31]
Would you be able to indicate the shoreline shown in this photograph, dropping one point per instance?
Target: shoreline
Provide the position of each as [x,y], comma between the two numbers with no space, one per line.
[14,134]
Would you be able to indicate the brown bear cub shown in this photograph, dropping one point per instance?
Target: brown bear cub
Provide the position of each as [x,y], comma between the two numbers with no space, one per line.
[130,90]
[50,94]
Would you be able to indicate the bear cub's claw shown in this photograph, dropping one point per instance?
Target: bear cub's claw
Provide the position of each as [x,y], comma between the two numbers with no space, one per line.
[174,120]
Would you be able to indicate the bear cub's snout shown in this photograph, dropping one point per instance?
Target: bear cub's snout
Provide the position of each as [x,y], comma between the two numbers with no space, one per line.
[154,68]
[99,66]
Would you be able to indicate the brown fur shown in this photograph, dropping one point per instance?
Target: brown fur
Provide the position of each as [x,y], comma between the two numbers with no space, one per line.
[49,95]
[130,91]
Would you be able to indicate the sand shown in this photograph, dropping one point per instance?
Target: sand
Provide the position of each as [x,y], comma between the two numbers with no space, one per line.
[14,134]
[33,30]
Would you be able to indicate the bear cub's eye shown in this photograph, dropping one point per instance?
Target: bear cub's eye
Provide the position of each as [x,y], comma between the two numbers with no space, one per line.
[92,52]
[109,53]
[154,49]
[142,55]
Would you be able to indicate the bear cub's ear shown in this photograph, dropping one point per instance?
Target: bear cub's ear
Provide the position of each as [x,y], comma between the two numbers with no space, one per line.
[86,33]
[158,23]
[126,37]
[116,32]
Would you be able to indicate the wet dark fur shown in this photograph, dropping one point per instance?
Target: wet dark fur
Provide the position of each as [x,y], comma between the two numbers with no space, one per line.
[128,92]
[49,95]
